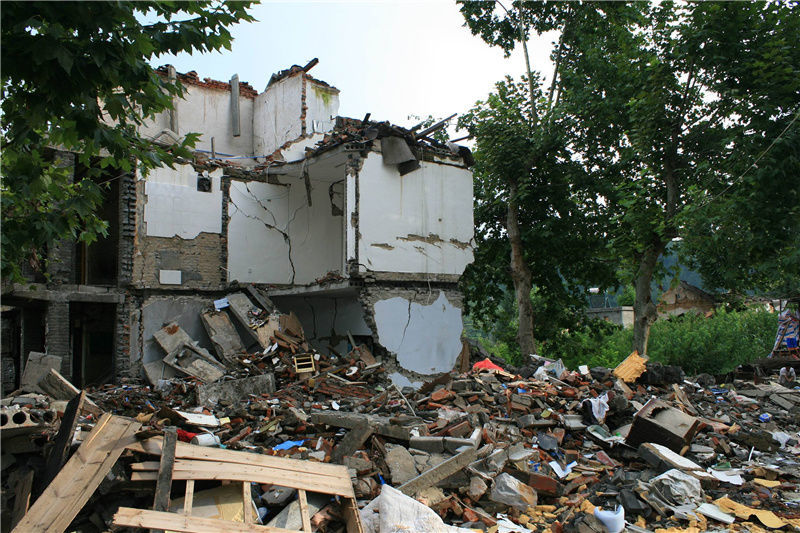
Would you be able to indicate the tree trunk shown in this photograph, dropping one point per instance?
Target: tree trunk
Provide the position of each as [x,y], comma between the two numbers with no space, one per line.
[644,309]
[521,276]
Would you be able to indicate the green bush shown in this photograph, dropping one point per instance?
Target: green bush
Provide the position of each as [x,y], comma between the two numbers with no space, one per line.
[715,345]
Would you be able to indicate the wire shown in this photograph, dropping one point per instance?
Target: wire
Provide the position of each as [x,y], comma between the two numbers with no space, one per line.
[754,164]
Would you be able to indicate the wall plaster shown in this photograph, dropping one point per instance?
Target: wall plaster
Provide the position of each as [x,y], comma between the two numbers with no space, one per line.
[175,208]
[426,339]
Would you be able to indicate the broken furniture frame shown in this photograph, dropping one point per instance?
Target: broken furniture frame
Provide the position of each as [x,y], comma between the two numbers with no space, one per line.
[199,463]
[661,423]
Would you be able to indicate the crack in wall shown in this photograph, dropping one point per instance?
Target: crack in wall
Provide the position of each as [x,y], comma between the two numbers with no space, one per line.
[267,225]
[313,316]
[410,301]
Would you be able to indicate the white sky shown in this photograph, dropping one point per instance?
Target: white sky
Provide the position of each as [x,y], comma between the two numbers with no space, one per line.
[389,58]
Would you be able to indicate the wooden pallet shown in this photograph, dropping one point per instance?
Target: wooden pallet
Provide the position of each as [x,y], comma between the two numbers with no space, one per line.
[192,463]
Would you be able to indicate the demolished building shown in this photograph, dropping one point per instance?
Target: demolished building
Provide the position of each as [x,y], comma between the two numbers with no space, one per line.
[359,228]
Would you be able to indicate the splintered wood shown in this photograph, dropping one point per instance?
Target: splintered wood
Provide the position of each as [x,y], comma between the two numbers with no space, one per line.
[631,368]
[61,501]
[194,463]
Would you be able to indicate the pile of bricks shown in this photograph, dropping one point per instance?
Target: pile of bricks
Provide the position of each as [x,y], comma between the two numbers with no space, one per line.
[496,448]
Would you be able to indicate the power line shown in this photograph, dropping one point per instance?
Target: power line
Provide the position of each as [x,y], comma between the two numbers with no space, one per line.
[754,164]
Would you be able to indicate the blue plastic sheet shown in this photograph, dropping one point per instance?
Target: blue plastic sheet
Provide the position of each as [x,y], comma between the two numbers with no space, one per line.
[289,444]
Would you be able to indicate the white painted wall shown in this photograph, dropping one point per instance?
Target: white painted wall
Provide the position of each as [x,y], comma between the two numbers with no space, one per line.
[174,206]
[425,338]
[277,112]
[297,150]
[323,106]
[259,254]
[276,115]
[350,214]
[208,111]
[256,253]
[434,201]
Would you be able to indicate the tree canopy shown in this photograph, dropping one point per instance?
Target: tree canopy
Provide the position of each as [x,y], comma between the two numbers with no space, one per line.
[667,104]
[76,77]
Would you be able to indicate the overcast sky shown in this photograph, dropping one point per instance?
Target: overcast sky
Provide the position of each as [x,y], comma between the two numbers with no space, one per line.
[389,58]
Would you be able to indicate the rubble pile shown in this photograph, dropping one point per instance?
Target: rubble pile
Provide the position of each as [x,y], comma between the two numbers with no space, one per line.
[285,436]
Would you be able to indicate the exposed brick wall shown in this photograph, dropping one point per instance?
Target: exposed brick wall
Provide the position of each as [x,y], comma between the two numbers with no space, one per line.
[127,228]
[126,336]
[61,263]
[198,260]
[223,248]
[56,335]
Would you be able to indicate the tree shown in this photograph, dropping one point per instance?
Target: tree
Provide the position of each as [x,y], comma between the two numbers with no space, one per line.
[668,103]
[534,205]
[75,76]
[746,238]
[669,106]
[531,196]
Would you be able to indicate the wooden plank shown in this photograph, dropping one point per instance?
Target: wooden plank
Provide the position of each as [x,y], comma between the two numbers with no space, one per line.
[57,386]
[352,516]
[190,451]
[146,466]
[164,482]
[631,368]
[197,470]
[60,450]
[22,497]
[63,499]
[188,497]
[144,518]
[247,503]
[301,497]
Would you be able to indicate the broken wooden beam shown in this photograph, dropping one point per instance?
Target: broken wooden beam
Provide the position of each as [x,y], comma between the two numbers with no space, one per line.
[165,469]
[60,450]
[63,499]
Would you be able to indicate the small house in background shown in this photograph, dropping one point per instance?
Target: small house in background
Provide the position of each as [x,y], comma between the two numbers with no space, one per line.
[360,228]
[685,298]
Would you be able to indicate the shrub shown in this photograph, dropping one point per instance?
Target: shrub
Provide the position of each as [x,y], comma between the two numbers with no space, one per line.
[715,345]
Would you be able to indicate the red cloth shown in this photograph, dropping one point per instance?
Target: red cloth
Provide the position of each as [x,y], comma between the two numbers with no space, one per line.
[486,364]
[186,436]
